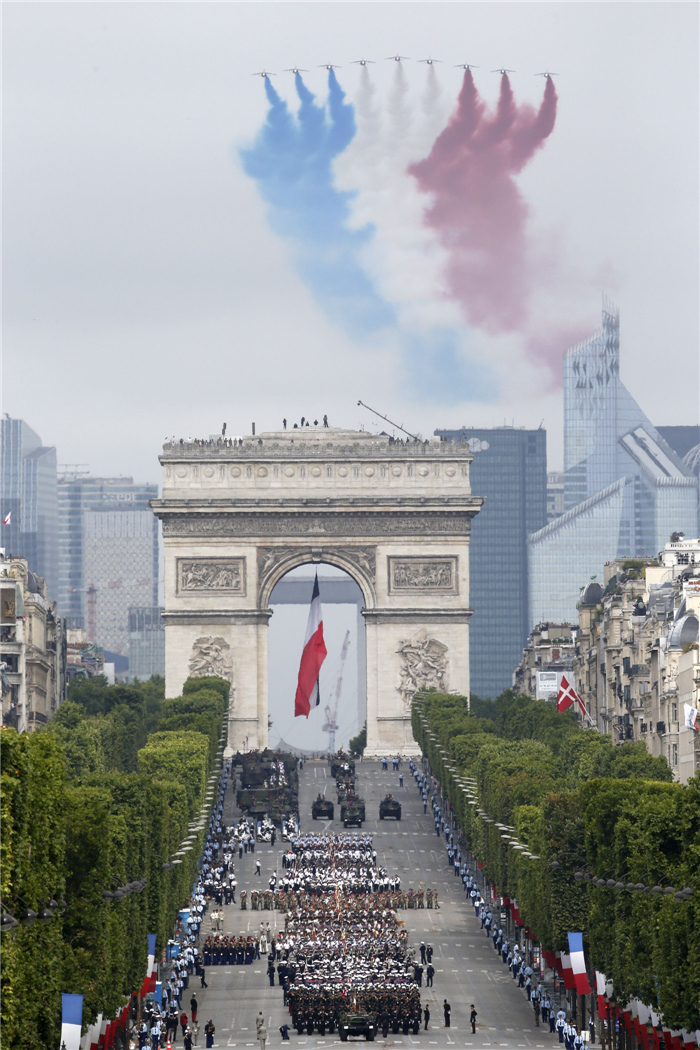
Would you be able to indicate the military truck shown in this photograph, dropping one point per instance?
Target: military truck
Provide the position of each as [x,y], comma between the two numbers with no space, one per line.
[345,786]
[322,807]
[341,763]
[356,802]
[390,807]
[357,1024]
[354,813]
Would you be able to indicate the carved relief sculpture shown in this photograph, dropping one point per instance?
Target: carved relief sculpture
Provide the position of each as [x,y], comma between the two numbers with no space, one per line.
[429,575]
[211,656]
[423,665]
[223,575]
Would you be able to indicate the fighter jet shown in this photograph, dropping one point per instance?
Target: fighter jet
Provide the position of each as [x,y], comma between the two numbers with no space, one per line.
[263,74]
[295,70]
[465,65]
[398,58]
[430,61]
[362,62]
[503,71]
[546,74]
[328,65]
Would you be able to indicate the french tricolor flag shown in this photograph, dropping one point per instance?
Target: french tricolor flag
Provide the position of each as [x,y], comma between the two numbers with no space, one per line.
[312,657]
[578,963]
[71,1021]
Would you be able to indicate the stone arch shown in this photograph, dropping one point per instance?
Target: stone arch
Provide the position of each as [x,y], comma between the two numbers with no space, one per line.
[275,562]
[394,515]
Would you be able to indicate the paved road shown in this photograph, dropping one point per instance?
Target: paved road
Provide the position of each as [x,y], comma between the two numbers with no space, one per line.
[468,970]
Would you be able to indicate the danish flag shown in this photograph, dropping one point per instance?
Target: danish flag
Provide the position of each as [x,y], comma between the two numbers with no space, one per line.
[312,657]
[568,696]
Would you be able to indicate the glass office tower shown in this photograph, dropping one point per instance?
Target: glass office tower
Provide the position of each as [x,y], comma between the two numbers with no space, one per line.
[625,488]
[108,555]
[510,470]
[29,508]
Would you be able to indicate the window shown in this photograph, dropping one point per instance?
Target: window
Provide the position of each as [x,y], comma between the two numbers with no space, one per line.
[674,712]
[674,754]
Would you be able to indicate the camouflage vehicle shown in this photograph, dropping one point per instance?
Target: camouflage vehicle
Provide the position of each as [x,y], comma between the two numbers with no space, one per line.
[345,786]
[355,802]
[390,807]
[322,807]
[354,814]
[357,1024]
[341,763]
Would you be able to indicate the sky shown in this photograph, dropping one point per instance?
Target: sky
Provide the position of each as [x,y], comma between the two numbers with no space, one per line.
[162,275]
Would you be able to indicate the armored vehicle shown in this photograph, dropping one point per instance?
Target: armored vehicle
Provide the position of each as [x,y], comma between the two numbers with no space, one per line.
[357,1024]
[389,807]
[341,763]
[355,802]
[322,807]
[354,813]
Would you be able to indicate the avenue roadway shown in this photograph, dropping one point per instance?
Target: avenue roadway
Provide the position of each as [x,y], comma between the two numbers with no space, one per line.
[468,970]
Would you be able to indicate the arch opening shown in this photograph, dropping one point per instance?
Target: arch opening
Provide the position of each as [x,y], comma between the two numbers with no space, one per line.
[342,681]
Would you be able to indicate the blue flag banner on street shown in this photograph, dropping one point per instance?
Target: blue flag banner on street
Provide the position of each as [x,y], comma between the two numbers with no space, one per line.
[71,1020]
[578,963]
[152,944]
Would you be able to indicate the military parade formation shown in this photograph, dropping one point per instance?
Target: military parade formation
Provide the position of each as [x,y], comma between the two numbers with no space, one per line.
[344,950]
[339,951]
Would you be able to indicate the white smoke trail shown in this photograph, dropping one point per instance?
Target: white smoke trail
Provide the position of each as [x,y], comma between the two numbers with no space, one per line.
[404,257]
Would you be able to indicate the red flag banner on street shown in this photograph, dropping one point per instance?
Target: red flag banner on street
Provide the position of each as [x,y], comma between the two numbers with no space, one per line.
[566,972]
[567,695]
[312,657]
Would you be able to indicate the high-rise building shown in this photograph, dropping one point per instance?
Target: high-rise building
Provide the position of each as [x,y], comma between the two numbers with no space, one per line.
[510,471]
[29,510]
[555,495]
[108,555]
[625,489]
[146,642]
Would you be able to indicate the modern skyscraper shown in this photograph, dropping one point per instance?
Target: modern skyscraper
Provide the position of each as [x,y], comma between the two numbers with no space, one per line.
[108,555]
[29,509]
[146,642]
[510,471]
[625,489]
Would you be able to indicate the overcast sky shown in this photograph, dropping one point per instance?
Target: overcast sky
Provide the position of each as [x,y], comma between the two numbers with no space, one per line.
[146,295]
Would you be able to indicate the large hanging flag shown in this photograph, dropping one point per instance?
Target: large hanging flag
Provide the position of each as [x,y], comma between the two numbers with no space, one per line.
[312,657]
[578,963]
[71,1021]
[691,717]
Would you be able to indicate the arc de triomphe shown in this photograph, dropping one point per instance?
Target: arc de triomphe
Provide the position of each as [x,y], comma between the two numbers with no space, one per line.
[396,516]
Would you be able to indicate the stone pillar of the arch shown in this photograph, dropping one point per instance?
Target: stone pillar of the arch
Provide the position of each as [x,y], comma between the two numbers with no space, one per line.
[388,715]
[245,633]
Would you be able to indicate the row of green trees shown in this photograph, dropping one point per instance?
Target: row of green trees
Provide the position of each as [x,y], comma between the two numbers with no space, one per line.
[574,797]
[101,797]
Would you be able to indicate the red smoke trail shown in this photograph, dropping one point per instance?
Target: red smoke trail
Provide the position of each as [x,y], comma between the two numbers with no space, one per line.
[478,211]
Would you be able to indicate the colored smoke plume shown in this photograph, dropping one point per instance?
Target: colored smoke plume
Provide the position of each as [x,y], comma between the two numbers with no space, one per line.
[477,210]
[292,162]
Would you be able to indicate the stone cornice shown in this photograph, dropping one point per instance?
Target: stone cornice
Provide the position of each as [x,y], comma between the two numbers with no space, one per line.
[417,615]
[197,617]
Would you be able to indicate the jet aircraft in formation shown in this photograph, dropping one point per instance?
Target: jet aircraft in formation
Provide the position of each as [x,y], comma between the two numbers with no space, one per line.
[398,58]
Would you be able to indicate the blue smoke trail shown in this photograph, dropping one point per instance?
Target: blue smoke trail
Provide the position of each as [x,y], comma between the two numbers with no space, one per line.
[437,368]
[292,162]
